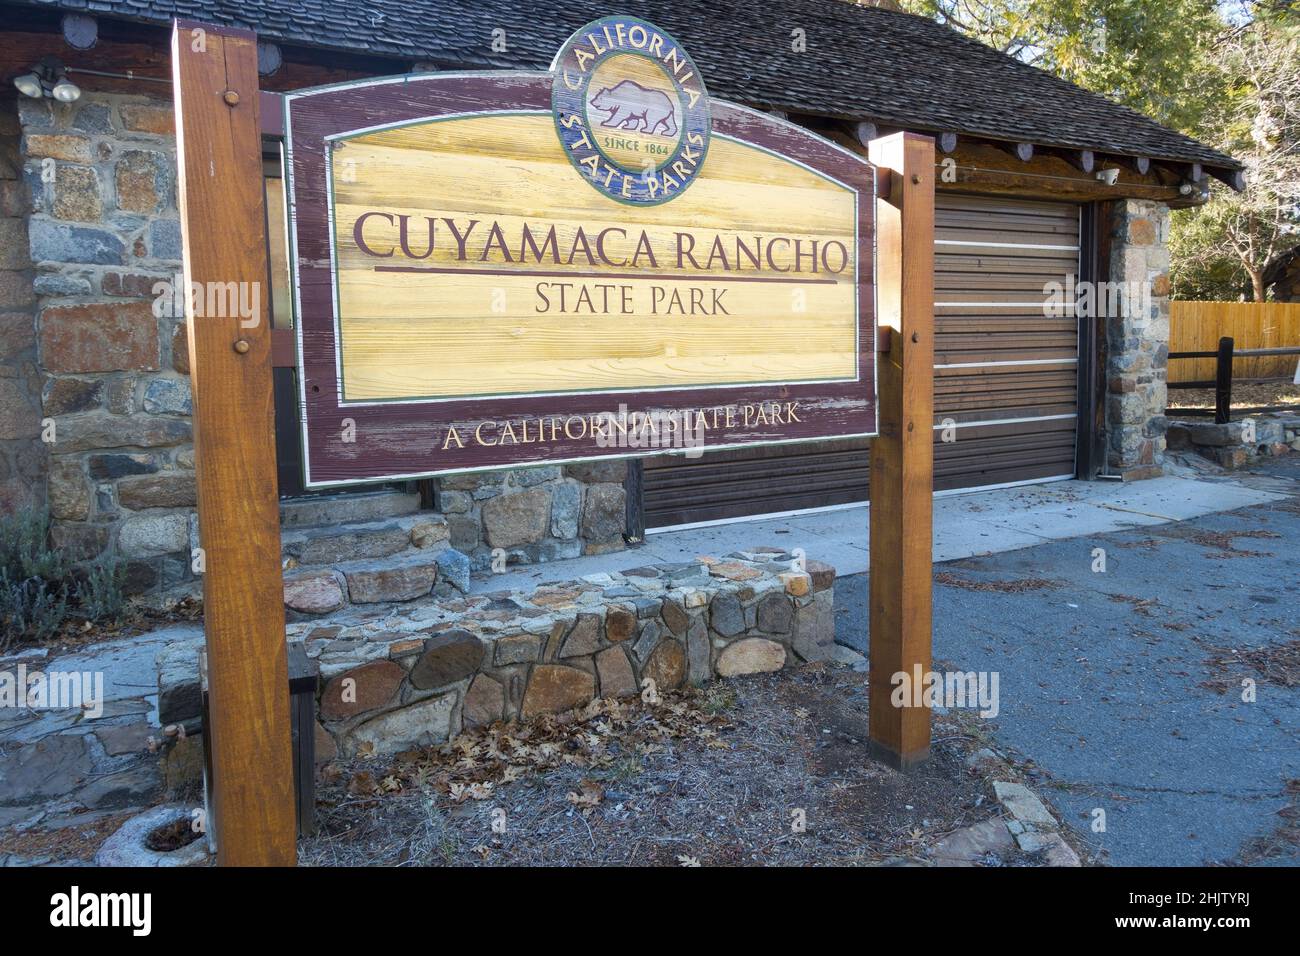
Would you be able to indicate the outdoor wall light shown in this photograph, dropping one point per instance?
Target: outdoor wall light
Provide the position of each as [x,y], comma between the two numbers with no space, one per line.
[48,78]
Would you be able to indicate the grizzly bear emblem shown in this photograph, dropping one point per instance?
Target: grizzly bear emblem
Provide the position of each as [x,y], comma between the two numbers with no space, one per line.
[632,106]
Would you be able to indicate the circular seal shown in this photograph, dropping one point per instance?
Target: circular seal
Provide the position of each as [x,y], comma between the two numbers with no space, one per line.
[631,110]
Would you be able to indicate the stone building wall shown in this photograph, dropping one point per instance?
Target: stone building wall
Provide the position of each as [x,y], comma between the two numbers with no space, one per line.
[536,514]
[104,232]
[1137,339]
[22,455]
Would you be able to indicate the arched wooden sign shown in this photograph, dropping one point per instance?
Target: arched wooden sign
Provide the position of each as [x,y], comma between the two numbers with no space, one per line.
[498,269]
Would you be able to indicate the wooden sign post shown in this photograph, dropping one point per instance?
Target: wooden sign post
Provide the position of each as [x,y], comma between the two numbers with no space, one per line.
[223,220]
[902,455]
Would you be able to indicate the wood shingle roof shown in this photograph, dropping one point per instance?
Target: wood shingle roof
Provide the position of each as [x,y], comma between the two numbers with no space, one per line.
[860,63]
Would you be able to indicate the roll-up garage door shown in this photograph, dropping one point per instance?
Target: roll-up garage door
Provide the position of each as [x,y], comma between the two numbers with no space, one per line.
[1005,388]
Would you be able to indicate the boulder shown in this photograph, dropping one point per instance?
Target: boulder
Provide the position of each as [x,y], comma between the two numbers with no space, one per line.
[368,687]
[754,655]
[448,657]
[616,676]
[315,592]
[726,615]
[419,725]
[485,702]
[667,665]
[520,518]
[555,688]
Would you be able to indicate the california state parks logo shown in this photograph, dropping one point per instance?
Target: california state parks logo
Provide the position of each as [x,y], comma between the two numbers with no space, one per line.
[631,110]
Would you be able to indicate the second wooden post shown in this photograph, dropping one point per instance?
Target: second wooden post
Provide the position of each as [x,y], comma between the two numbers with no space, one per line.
[902,456]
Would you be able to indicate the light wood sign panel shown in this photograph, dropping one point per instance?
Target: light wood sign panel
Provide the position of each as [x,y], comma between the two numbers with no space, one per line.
[509,268]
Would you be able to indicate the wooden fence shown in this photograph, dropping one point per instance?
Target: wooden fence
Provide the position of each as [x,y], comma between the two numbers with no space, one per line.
[1198,326]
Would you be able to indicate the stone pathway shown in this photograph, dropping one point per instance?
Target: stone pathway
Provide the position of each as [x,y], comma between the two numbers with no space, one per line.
[63,767]
[1028,825]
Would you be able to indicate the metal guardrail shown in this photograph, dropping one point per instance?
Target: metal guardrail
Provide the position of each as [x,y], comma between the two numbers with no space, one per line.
[1222,383]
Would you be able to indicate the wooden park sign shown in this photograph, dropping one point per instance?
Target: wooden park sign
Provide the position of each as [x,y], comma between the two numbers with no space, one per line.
[504,269]
[511,268]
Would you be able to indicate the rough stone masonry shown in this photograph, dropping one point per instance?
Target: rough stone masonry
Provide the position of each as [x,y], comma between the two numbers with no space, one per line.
[1137,341]
[400,676]
[100,353]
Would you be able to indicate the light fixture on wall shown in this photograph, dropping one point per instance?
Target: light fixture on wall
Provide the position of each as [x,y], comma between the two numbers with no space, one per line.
[48,78]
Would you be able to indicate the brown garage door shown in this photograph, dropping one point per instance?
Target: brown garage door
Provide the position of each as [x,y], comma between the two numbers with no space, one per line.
[1006,380]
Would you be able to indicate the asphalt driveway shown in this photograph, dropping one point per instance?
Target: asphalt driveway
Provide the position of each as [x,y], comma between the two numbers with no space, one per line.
[1124,686]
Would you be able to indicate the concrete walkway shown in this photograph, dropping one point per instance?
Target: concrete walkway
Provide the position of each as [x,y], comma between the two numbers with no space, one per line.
[976,523]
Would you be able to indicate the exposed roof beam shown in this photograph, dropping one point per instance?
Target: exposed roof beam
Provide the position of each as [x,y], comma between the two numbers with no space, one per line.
[864,132]
[1235,179]
[1022,151]
[1084,160]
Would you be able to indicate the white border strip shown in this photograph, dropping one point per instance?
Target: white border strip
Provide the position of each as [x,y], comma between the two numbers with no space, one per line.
[1040,304]
[1003,245]
[798,512]
[976,489]
[1008,421]
[1008,362]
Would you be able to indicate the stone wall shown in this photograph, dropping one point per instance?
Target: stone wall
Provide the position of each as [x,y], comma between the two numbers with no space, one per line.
[1137,340]
[414,674]
[23,460]
[103,232]
[1233,444]
[106,362]
[536,514]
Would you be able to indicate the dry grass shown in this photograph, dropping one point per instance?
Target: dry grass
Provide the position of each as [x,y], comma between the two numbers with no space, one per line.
[1277,664]
[1015,586]
[1280,393]
[77,842]
[1283,840]
[1219,544]
[715,777]
[1141,606]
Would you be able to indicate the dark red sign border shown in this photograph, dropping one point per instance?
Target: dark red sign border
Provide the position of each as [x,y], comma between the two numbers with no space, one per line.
[395,441]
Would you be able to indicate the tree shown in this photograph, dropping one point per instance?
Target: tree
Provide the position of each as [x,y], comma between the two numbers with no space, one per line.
[1227,75]
[1236,238]
[1145,54]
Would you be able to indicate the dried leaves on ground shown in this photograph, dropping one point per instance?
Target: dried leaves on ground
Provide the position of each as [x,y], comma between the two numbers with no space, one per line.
[1277,664]
[765,770]
[1012,586]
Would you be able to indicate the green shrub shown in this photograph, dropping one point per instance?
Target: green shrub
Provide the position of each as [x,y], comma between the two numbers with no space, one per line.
[25,551]
[40,588]
[99,593]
